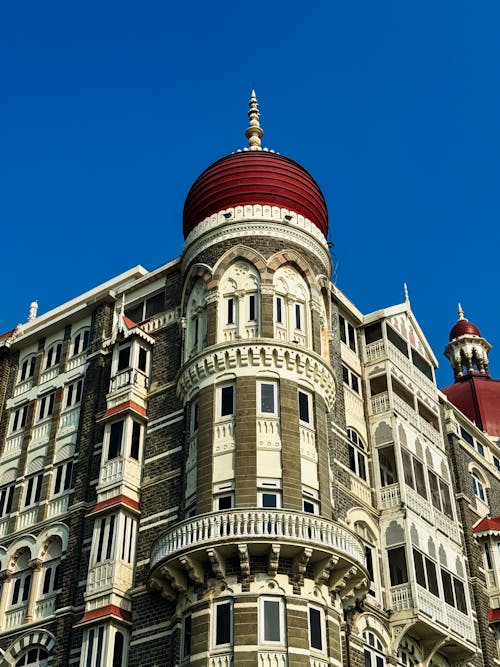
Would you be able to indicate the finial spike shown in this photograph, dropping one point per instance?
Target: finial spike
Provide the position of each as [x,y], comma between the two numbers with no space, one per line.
[407,295]
[461,315]
[254,132]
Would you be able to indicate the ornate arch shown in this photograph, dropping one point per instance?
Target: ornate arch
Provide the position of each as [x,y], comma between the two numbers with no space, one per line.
[35,638]
[239,252]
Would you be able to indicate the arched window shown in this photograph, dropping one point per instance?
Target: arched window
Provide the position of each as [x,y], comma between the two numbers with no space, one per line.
[53,355]
[21,580]
[35,657]
[479,485]
[196,319]
[357,454]
[239,304]
[80,342]
[409,654]
[291,306]
[374,650]
[27,368]
[50,573]
[371,557]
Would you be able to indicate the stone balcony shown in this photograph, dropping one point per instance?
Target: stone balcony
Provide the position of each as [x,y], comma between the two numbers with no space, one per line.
[334,555]
[117,476]
[380,350]
[113,576]
[128,385]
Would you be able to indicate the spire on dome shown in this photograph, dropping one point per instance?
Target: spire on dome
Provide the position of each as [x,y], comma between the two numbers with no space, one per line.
[461,315]
[254,132]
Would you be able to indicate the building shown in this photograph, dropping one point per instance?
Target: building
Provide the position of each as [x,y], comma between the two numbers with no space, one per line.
[224,462]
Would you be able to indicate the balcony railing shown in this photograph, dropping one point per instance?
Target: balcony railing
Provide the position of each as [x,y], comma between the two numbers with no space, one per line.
[130,377]
[381,403]
[14,617]
[49,374]
[120,470]
[57,506]
[76,361]
[69,420]
[257,525]
[44,608]
[222,660]
[27,518]
[23,386]
[401,598]
[377,350]
[389,496]
[13,443]
[111,574]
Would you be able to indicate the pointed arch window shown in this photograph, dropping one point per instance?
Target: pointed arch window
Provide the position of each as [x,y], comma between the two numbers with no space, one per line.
[291,306]
[357,454]
[196,319]
[373,651]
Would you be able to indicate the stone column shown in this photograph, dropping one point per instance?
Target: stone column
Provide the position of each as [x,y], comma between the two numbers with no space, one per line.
[36,566]
[6,579]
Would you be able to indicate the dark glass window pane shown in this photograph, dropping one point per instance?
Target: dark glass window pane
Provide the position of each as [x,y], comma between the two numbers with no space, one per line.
[315,629]
[397,340]
[143,355]
[46,581]
[135,313]
[352,337]
[362,466]
[369,562]
[467,436]
[373,333]
[279,309]
[136,439]
[445,499]
[269,500]
[368,659]
[408,468]
[118,650]
[432,583]
[309,507]
[230,311]
[397,566]
[251,307]
[186,644]
[419,478]
[115,440]
[298,318]
[267,398]
[422,365]
[227,402]
[225,502]
[419,568]
[434,487]
[447,587]
[303,407]
[345,375]
[460,596]
[354,383]
[343,337]
[110,536]
[223,624]
[352,458]
[124,358]
[272,621]
[154,305]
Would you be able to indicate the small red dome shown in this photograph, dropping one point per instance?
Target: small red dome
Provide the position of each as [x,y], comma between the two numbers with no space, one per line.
[464,328]
[255,177]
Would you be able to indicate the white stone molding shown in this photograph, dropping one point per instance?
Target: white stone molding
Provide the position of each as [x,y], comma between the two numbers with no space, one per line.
[288,361]
[253,222]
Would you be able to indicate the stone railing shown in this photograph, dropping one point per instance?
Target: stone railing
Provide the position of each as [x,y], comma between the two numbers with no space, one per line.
[111,574]
[389,496]
[401,598]
[44,608]
[14,618]
[76,361]
[23,386]
[361,490]
[4,526]
[27,518]
[57,506]
[130,377]
[41,431]
[69,420]
[257,525]
[118,470]
[49,374]
[377,350]
[13,443]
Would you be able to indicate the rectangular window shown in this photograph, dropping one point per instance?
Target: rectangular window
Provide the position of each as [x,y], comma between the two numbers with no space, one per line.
[127,539]
[269,499]
[347,333]
[304,407]
[115,440]
[104,533]
[407,468]
[226,401]
[28,368]
[194,417]
[186,636]
[74,393]
[251,308]
[397,566]
[496,462]
[298,316]
[316,629]
[135,442]
[46,406]
[124,358]
[6,496]
[64,474]
[398,342]
[230,311]
[268,397]
[94,647]
[419,478]
[223,624]
[279,310]
[445,499]
[272,623]
[19,418]
[33,490]
[143,359]
[434,488]
[310,506]
[467,436]
[480,448]
[225,502]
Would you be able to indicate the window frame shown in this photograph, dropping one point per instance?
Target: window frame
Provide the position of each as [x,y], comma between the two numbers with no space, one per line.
[357,453]
[33,489]
[322,628]
[215,623]
[220,401]
[52,360]
[80,341]
[309,405]
[260,400]
[263,599]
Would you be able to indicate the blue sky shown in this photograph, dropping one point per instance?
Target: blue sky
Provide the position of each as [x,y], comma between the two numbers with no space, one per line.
[110,110]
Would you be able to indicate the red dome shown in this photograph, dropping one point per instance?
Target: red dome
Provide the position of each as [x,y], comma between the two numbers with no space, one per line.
[464,328]
[255,177]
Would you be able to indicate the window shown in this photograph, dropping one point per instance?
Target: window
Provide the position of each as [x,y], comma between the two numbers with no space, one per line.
[35,657]
[454,591]
[142,359]
[223,624]
[305,407]
[440,494]
[317,631]
[226,400]
[19,418]
[124,358]
[467,437]
[6,497]
[422,364]
[347,333]
[397,566]
[53,355]
[269,494]
[357,456]
[298,316]
[128,538]
[230,310]
[33,490]
[194,417]
[46,406]
[145,309]
[103,539]
[351,379]
[268,398]
[63,477]
[74,394]
[115,440]
[28,368]
[252,310]
[94,647]
[425,572]
[224,501]
[279,310]
[118,649]
[398,342]
[487,556]
[373,652]
[272,621]
[187,630]
[414,473]
[81,342]
[478,487]
[310,502]
[21,581]
[135,442]
[50,578]
[496,462]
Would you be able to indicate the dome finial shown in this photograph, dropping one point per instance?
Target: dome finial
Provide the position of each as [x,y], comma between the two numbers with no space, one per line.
[254,131]
[461,315]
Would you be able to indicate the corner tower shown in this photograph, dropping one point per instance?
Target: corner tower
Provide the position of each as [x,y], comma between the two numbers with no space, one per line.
[258,567]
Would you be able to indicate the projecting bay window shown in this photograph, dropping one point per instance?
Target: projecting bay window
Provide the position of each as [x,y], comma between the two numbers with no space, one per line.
[63,477]
[398,571]
[103,542]
[123,439]
[454,591]
[440,494]
[414,473]
[425,572]
[130,365]
[104,646]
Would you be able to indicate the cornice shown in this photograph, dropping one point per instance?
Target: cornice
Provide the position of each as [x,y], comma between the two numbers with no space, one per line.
[288,361]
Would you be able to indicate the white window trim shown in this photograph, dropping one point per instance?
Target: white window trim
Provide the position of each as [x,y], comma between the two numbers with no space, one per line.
[322,621]
[309,423]
[260,412]
[282,626]
[218,402]
[221,647]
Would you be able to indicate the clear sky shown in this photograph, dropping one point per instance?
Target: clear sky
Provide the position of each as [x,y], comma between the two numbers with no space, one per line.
[110,110]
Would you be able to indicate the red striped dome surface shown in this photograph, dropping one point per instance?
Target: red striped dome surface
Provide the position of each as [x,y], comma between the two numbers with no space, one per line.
[255,177]
[464,328]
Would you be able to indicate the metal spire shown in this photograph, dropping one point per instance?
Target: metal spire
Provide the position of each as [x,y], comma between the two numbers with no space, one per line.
[254,131]
[461,315]
[407,295]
